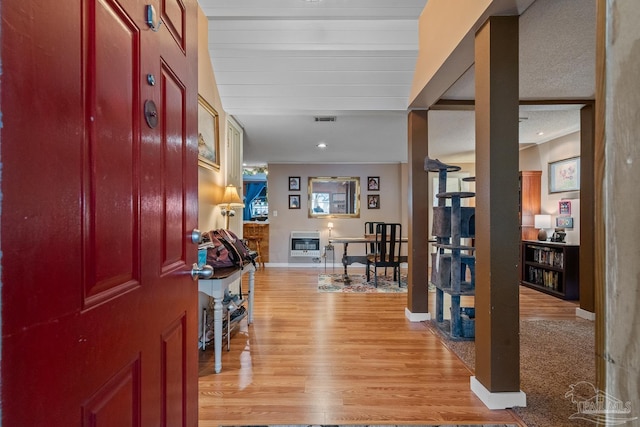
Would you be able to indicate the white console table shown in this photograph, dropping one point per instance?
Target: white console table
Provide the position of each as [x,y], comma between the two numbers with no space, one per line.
[215,287]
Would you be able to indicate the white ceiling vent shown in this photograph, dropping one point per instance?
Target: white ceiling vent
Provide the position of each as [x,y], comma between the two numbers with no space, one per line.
[325,118]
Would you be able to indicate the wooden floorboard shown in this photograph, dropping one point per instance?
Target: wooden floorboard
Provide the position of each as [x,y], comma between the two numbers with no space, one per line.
[332,358]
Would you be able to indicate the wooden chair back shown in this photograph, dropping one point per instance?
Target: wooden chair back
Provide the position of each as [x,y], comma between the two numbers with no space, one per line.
[370,229]
[388,244]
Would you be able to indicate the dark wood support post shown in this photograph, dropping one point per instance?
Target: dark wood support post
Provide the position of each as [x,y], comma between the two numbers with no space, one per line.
[587,209]
[497,380]
[419,214]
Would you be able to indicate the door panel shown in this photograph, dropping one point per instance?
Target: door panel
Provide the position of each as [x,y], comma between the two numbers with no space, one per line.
[117,403]
[174,151]
[113,141]
[173,375]
[174,16]
[99,315]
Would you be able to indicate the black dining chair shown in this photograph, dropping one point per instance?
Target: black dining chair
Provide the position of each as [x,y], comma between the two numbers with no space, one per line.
[370,230]
[386,251]
[370,248]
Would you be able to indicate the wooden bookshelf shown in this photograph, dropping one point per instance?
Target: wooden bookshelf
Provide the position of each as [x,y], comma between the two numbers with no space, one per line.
[552,268]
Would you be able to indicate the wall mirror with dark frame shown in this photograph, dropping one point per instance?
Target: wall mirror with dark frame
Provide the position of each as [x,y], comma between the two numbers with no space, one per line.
[334,197]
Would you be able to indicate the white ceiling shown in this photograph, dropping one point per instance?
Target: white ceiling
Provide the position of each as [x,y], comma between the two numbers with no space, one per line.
[280,63]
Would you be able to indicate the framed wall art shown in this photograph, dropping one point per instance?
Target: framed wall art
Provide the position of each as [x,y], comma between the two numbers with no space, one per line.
[564,175]
[294,183]
[564,222]
[208,138]
[373,183]
[294,201]
[373,201]
[564,207]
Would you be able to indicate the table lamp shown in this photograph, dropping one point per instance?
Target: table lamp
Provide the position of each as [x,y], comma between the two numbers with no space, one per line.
[230,199]
[329,245]
[542,222]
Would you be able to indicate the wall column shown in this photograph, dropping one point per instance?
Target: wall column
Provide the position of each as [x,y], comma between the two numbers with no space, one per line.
[620,317]
[587,213]
[497,380]
[419,209]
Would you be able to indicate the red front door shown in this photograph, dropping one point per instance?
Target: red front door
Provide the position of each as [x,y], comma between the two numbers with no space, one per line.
[99,323]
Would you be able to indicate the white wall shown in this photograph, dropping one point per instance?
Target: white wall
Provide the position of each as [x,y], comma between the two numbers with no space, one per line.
[537,158]
[393,204]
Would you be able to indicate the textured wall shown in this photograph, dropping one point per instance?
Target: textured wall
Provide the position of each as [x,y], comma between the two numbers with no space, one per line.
[622,204]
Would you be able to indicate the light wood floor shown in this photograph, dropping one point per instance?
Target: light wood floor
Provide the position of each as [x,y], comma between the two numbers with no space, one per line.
[332,358]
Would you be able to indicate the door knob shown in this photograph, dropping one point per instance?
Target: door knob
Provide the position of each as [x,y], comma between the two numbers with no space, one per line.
[196,236]
[204,272]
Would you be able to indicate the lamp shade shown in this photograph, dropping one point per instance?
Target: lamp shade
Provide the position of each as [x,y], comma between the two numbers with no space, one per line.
[231,196]
[542,221]
[330,225]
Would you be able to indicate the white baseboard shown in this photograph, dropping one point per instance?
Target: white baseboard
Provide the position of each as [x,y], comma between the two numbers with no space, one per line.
[585,314]
[502,400]
[416,317]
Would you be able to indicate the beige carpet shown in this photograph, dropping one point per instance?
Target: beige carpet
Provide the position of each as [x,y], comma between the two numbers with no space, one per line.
[554,355]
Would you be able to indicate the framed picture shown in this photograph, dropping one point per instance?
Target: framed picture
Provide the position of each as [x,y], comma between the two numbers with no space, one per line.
[564,222]
[208,139]
[294,201]
[294,183]
[373,183]
[373,201]
[564,207]
[564,175]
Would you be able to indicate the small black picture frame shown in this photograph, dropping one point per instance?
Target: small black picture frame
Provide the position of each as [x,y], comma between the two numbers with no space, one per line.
[294,201]
[294,183]
[373,183]
[373,201]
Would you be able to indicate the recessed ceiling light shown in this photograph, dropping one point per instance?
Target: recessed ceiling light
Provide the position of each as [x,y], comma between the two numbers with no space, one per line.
[540,133]
[322,145]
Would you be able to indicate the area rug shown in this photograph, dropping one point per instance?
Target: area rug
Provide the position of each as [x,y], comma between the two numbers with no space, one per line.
[555,356]
[358,284]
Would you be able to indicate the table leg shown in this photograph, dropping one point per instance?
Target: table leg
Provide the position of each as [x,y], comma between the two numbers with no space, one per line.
[345,263]
[217,334]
